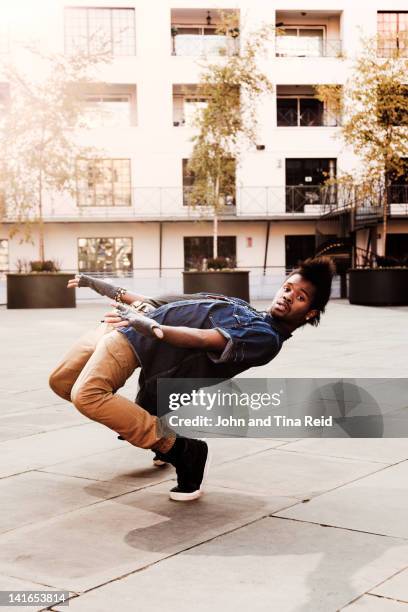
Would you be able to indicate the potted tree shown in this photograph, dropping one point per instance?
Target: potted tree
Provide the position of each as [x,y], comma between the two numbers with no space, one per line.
[39,161]
[225,128]
[375,126]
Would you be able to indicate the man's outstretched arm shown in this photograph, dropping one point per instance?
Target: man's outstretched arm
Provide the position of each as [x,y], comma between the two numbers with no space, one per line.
[184,337]
[106,289]
[123,295]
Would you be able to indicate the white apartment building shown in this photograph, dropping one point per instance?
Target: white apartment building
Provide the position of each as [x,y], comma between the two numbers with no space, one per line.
[131,217]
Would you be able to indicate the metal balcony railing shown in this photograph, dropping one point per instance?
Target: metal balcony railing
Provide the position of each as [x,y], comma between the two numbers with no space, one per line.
[226,204]
[305,198]
[204,44]
[307,118]
[398,195]
[155,203]
[303,46]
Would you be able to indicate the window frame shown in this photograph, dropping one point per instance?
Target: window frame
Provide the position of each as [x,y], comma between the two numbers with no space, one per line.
[394,36]
[116,270]
[86,11]
[94,194]
[298,110]
[108,96]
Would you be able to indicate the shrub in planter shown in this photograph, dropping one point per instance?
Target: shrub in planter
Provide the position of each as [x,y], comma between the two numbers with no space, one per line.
[39,284]
[385,285]
[221,276]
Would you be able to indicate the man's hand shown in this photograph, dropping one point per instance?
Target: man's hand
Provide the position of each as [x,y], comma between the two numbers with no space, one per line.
[100,286]
[124,317]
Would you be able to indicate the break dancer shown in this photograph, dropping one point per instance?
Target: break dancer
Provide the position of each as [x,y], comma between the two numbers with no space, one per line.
[191,336]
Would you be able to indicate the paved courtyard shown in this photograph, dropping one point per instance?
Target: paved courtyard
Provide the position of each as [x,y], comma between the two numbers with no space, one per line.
[302,525]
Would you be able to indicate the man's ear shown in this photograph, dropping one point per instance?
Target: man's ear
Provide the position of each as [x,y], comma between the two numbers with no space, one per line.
[311,314]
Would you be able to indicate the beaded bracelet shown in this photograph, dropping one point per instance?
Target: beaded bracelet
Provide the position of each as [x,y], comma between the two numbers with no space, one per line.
[119,293]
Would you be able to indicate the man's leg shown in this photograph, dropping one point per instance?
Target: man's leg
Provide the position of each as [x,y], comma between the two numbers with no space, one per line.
[62,379]
[111,364]
[94,394]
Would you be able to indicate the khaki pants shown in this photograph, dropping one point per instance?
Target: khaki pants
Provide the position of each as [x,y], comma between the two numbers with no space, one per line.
[89,376]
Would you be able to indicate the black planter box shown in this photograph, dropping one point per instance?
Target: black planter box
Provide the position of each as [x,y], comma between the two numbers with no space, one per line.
[40,290]
[378,286]
[234,283]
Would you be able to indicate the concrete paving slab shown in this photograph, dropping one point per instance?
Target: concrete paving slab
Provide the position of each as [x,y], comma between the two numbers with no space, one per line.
[134,465]
[36,496]
[125,464]
[52,447]
[90,546]
[229,449]
[395,587]
[379,450]
[269,565]
[290,474]
[375,504]
[370,603]
[40,420]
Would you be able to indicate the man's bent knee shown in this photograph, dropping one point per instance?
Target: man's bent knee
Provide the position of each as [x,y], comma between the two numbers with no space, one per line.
[59,385]
[87,400]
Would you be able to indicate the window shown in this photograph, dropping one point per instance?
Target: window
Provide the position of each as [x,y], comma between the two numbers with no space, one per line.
[104,182]
[298,248]
[192,106]
[397,246]
[4,255]
[392,105]
[196,248]
[398,185]
[392,29]
[296,111]
[186,108]
[227,187]
[105,255]
[304,180]
[107,110]
[87,29]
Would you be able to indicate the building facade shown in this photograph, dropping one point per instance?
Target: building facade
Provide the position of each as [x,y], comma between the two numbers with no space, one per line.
[130,216]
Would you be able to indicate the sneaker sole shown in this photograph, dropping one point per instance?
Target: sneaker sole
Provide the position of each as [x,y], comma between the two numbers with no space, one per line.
[159,462]
[175,496]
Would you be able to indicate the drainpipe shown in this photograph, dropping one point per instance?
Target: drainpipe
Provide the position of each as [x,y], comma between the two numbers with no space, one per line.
[268,225]
[160,247]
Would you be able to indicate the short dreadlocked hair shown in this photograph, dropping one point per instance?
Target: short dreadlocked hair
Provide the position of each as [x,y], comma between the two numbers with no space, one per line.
[319,271]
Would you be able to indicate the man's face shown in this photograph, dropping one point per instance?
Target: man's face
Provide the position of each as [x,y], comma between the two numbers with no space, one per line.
[292,303]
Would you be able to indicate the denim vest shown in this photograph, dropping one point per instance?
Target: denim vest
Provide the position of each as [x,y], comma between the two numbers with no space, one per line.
[253,338]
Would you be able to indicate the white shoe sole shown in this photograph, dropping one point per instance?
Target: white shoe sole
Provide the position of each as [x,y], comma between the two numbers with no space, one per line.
[175,496]
[159,462]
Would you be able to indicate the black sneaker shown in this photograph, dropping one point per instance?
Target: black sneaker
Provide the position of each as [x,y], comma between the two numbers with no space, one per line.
[192,463]
[158,462]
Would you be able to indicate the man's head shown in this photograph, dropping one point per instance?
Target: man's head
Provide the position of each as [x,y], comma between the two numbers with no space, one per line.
[305,293]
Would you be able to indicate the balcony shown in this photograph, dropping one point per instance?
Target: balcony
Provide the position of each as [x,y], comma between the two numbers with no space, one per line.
[226,205]
[187,102]
[296,106]
[308,34]
[252,202]
[199,32]
[172,204]
[398,199]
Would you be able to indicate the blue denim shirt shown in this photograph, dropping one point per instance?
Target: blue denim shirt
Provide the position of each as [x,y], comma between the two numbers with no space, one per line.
[253,338]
